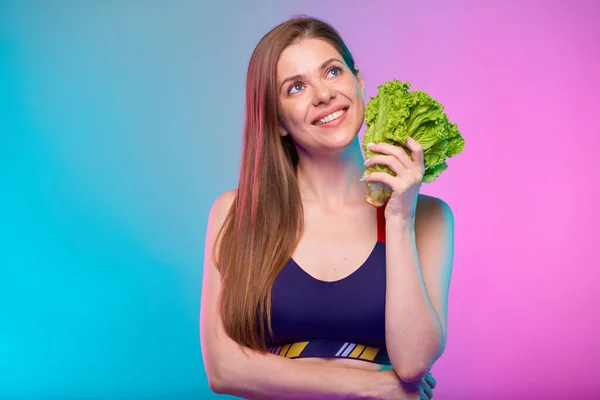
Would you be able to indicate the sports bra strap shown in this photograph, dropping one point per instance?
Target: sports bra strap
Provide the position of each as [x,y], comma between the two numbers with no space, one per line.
[381,224]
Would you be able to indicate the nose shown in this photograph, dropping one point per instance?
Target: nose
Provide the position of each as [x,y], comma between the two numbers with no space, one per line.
[323,93]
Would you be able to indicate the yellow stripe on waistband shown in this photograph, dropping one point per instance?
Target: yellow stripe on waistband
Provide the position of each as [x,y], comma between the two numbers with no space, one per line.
[369,353]
[357,350]
[360,351]
[296,349]
[284,349]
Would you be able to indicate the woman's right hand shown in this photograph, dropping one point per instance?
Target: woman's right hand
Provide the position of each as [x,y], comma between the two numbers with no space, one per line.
[392,388]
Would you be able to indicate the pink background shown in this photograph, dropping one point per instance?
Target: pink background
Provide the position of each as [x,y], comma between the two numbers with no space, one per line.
[521,81]
[120,123]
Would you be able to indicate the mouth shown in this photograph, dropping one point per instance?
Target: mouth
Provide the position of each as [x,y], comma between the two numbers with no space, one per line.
[330,117]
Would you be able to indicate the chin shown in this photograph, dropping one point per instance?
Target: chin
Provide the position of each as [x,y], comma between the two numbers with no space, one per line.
[343,137]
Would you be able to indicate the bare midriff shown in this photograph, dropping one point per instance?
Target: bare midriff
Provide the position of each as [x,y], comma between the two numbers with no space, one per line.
[344,362]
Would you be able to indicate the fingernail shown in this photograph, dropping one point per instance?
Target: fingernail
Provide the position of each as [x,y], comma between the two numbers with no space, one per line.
[369,145]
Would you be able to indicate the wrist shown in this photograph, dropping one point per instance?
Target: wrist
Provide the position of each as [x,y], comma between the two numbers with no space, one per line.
[378,384]
[400,223]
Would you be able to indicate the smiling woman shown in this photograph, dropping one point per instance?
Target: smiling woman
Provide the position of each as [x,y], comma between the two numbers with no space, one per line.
[316,93]
[303,297]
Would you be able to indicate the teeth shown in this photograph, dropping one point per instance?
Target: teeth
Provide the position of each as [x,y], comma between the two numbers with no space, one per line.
[331,117]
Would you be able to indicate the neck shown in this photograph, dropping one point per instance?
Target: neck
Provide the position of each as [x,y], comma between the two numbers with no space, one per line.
[330,179]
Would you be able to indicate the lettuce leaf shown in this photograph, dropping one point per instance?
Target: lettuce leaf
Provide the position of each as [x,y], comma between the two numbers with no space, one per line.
[395,113]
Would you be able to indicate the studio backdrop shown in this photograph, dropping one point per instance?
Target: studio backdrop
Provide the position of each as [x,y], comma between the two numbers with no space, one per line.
[121,122]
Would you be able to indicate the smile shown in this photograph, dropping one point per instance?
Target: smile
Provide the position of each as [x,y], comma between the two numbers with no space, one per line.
[331,117]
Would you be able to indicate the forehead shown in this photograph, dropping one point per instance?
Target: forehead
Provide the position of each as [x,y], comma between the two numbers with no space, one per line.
[304,57]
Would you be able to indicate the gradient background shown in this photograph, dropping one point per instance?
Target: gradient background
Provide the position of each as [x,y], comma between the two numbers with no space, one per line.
[120,123]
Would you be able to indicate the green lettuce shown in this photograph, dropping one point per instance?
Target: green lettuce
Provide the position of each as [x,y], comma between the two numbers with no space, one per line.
[395,113]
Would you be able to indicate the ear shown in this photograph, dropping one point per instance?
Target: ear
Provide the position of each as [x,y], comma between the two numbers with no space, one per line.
[361,82]
[282,131]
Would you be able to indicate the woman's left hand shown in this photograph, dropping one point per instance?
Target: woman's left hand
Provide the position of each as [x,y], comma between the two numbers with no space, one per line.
[407,182]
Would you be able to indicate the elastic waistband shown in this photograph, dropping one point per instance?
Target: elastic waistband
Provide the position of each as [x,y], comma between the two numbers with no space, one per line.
[331,349]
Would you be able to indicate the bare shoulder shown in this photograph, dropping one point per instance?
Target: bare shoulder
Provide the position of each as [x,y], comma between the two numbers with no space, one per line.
[216,217]
[434,232]
[224,200]
[220,208]
[433,211]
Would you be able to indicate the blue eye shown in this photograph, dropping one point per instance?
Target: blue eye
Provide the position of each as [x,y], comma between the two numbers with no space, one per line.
[295,86]
[335,69]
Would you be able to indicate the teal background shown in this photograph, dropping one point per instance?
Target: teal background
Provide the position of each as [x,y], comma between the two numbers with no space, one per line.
[120,123]
[111,152]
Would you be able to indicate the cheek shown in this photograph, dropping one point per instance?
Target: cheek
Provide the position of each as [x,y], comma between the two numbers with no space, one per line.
[286,112]
[353,92]
[296,112]
[359,110]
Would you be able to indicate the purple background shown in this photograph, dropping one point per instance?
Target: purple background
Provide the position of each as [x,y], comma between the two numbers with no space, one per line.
[521,81]
[120,122]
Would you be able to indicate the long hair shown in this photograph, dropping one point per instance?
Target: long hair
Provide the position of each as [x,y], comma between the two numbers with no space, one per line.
[265,222]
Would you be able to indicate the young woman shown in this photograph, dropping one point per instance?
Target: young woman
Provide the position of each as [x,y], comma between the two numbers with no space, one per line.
[308,290]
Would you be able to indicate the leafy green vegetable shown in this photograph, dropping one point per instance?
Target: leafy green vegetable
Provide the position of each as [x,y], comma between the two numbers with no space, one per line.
[395,113]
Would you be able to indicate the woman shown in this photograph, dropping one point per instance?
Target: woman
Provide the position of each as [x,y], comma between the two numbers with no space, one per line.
[309,291]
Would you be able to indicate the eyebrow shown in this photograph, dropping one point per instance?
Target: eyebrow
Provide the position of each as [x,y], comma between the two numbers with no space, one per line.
[299,76]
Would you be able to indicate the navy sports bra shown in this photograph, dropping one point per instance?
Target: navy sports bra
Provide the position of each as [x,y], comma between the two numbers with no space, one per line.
[339,319]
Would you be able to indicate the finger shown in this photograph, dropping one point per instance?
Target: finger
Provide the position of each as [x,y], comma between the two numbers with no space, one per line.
[390,161]
[416,151]
[396,151]
[431,380]
[389,180]
[428,390]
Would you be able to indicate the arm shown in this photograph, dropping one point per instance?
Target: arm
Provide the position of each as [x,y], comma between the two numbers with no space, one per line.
[251,374]
[419,265]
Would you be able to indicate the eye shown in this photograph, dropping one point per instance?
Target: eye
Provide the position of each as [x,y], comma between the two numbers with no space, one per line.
[335,71]
[297,86]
